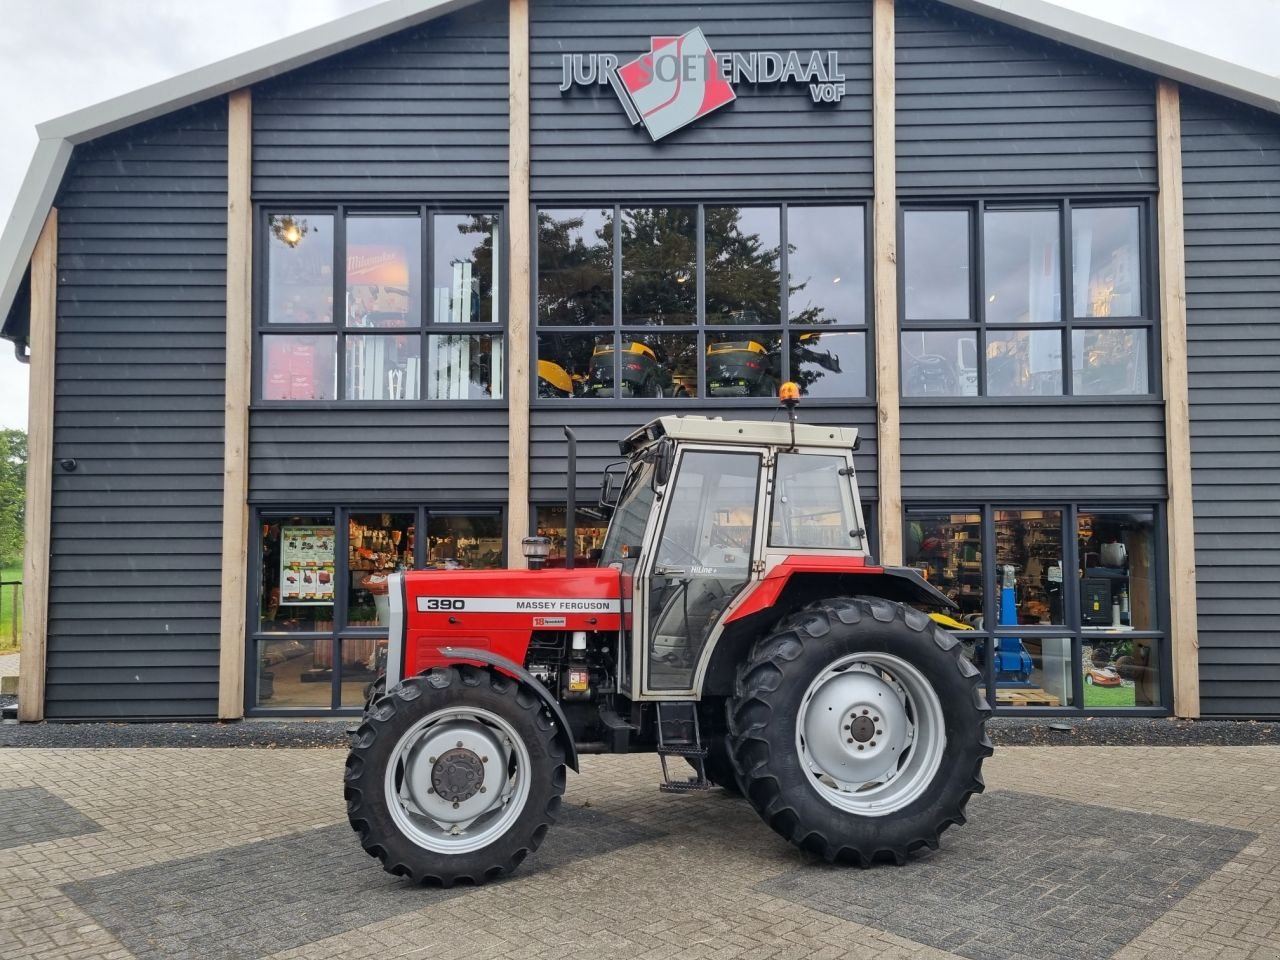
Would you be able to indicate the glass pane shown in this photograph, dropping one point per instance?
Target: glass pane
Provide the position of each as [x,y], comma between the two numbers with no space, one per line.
[828,364]
[296,574]
[1022,257]
[377,544]
[947,550]
[300,268]
[464,263]
[742,252]
[939,363]
[1109,362]
[293,672]
[660,265]
[383,367]
[383,264]
[743,364]
[935,264]
[464,368]
[1121,671]
[299,367]
[363,660]
[826,265]
[812,504]
[659,365]
[1024,363]
[1117,574]
[703,560]
[470,541]
[588,532]
[1033,672]
[1029,567]
[575,365]
[575,266]
[1105,272]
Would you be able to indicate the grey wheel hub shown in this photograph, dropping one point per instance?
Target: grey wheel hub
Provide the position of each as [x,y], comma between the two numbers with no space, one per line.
[870,731]
[457,775]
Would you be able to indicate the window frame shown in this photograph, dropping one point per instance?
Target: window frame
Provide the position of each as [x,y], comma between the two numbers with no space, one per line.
[1066,325]
[342,630]
[337,327]
[1073,629]
[700,328]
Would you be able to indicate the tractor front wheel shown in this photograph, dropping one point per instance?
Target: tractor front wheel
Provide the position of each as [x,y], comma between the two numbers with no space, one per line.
[857,730]
[454,776]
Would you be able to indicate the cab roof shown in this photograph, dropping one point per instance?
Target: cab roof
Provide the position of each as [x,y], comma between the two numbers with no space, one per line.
[754,433]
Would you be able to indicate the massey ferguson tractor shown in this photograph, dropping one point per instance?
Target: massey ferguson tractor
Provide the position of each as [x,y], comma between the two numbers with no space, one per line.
[732,621]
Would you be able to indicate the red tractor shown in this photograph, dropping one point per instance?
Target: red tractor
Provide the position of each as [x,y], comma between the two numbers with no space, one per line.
[733,621]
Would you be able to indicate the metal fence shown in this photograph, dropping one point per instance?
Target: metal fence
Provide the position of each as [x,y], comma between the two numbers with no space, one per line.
[11,604]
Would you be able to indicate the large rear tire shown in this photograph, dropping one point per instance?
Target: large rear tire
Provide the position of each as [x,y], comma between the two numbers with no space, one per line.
[454,776]
[858,730]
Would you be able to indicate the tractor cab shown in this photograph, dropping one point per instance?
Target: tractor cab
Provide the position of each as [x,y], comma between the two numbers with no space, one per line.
[708,510]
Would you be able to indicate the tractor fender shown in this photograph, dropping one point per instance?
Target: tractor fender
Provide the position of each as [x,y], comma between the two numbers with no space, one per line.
[491,659]
[902,584]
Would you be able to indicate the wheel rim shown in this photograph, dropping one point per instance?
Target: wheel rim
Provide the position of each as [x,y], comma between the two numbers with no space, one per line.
[457,780]
[871,733]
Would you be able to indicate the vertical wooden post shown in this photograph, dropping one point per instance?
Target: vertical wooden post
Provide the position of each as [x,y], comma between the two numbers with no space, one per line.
[885,260]
[41,340]
[1183,637]
[519,344]
[235,465]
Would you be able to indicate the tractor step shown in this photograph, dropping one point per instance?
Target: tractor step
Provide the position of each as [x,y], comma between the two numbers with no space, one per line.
[691,785]
[678,736]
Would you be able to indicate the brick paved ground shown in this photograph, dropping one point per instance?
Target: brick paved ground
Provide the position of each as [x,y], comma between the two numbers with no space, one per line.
[1138,853]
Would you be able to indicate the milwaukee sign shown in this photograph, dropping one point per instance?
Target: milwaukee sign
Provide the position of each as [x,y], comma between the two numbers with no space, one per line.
[680,80]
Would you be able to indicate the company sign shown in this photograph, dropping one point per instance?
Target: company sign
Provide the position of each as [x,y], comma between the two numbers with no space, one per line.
[681,80]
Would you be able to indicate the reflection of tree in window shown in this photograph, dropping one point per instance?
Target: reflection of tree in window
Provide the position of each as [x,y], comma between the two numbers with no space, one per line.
[659,265]
[742,257]
[575,267]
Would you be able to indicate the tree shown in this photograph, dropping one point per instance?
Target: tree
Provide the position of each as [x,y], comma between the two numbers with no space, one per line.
[13,494]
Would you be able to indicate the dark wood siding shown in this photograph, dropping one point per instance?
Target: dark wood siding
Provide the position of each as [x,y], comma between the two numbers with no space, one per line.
[421,114]
[1231,173]
[361,455]
[1050,453]
[600,430]
[135,565]
[986,109]
[772,141]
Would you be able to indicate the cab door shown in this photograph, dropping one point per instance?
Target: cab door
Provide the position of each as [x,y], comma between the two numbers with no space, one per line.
[700,558]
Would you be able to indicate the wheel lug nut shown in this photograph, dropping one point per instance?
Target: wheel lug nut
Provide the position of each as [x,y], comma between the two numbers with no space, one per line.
[864,713]
[431,759]
[851,741]
[455,805]
[431,790]
[459,743]
[873,743]
[861,747]
[483,789]
[484,759]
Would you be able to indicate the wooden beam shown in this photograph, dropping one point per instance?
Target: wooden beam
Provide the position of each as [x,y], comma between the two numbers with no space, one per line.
[885,279]
[1183,636]
[519,345]
[235,445]
[41,339]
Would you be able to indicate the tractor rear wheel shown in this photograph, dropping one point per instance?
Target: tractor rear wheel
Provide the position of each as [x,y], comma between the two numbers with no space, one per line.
[454,776]
[858,730]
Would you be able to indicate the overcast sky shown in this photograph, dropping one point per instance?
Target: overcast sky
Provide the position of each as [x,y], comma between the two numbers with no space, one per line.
[60,55]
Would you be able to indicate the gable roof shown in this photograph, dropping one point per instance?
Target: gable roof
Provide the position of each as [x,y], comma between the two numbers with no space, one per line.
[59,136]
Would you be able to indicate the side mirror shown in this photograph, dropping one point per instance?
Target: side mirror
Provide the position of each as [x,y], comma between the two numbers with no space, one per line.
[663,462]
[611,487]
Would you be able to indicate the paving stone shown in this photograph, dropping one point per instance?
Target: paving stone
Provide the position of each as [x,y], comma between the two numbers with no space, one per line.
[254,900]
[33,815]
[1031,875]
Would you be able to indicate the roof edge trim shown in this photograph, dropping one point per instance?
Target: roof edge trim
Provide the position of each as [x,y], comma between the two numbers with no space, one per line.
[35,199]
[1150,54]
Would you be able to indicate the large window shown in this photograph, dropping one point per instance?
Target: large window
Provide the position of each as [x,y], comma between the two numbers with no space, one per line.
[319,634]
[1027,300]
[346,313]
[1057,604]
[701,301]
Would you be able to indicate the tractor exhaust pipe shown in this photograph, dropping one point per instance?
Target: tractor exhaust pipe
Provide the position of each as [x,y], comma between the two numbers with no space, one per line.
[571,502]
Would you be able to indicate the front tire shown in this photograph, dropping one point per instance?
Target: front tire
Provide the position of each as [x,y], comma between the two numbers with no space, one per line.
[455,776]
[858,730]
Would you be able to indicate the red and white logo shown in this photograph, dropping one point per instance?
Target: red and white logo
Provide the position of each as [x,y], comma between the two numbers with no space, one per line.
[676,82]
